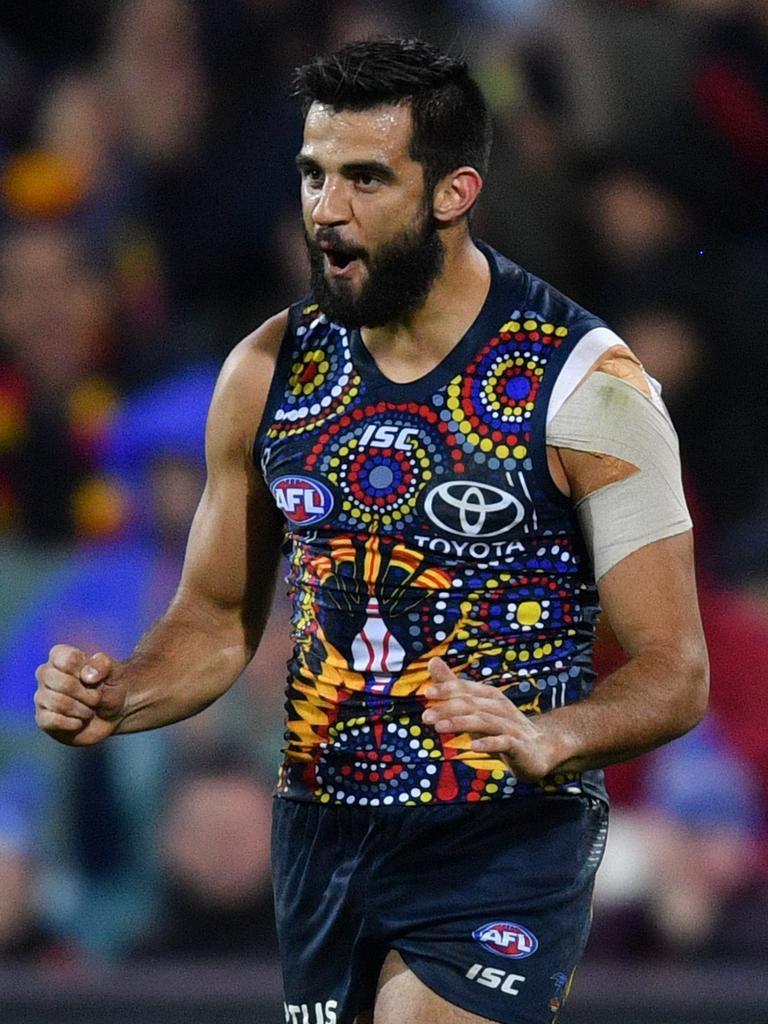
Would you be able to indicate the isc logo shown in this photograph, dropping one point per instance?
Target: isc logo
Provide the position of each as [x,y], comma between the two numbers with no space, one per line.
[506,939]
[302,500]
[387,435]
[494,977]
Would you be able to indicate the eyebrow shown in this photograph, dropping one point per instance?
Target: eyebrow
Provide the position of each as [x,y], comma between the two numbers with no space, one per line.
[373,167]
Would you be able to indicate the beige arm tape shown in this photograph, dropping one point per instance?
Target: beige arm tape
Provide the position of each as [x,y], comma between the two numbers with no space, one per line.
[607,416]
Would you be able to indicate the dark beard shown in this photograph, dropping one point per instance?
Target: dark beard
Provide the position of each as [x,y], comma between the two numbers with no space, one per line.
[399,277]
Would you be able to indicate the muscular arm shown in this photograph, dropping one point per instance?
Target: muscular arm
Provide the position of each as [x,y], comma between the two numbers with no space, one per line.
[649,595]
[193,654]
[660,693]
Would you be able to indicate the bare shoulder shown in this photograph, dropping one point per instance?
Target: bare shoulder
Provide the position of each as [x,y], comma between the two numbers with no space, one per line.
[248,369]
[241,391]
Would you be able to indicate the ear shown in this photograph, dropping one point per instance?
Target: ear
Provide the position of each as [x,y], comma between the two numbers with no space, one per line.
[456,193]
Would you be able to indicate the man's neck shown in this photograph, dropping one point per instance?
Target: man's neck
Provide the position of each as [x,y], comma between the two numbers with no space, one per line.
[406,350]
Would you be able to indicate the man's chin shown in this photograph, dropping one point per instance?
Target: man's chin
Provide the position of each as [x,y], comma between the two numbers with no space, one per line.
[338,301]
[341,294]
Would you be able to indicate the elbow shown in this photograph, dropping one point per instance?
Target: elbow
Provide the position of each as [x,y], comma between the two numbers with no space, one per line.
[692,706]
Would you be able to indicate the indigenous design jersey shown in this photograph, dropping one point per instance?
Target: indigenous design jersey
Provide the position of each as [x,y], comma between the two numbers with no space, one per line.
[422,521]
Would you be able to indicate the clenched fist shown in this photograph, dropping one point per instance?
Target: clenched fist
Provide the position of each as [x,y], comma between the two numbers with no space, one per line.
[79,699]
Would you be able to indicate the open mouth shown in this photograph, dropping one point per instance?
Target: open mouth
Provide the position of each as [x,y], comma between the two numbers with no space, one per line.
[340,263]
[339,260]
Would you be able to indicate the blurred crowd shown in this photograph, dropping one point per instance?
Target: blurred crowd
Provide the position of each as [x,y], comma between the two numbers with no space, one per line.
[149,219]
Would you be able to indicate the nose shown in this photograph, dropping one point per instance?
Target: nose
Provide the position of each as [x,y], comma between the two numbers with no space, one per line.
[331,205]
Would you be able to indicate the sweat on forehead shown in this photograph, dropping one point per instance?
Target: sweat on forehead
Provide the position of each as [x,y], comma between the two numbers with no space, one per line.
[385,124]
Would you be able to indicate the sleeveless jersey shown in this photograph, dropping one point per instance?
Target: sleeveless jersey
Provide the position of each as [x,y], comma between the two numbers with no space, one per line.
[421,520]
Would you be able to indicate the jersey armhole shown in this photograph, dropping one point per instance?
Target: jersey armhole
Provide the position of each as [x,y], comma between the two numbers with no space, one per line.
[587,350]
[278,382]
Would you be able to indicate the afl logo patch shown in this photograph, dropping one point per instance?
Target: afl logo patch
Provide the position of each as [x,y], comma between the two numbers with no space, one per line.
[301,500]
[506,939]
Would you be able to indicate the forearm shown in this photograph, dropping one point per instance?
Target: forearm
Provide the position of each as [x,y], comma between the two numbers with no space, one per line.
[188,659]
[650,700]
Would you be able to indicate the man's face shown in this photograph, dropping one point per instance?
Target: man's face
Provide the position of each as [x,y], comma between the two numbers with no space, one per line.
[53,311]
[373,243]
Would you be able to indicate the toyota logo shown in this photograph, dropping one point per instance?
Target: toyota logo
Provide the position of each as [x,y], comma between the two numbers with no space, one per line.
[474,502]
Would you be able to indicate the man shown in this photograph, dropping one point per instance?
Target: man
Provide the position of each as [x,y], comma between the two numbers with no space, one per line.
[441,811]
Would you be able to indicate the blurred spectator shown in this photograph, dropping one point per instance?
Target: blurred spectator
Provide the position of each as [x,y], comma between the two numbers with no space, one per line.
[639,238]
[622,66]
[527,204]
[56,337]
[78,124]
[85,168]
[633,218]
[673,350]
[684,351]
[691,852]
[214,851]
[79,128]
[154,64]
[724,123]
[203,170]
[25,936]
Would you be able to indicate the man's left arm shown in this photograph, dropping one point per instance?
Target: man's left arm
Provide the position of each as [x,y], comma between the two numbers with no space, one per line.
[659,694]
[615,452]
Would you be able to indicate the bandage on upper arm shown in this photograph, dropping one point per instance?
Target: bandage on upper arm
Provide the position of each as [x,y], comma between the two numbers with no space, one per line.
[632,435]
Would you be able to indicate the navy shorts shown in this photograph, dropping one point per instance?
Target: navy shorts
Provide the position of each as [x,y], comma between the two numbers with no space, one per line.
[489,904]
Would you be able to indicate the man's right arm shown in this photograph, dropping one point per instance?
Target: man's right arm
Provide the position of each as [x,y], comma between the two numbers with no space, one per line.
[193,654]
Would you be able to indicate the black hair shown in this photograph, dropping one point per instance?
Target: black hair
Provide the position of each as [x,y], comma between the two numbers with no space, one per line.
[451,123]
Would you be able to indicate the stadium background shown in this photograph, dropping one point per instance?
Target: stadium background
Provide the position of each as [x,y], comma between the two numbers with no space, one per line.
[148,220]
